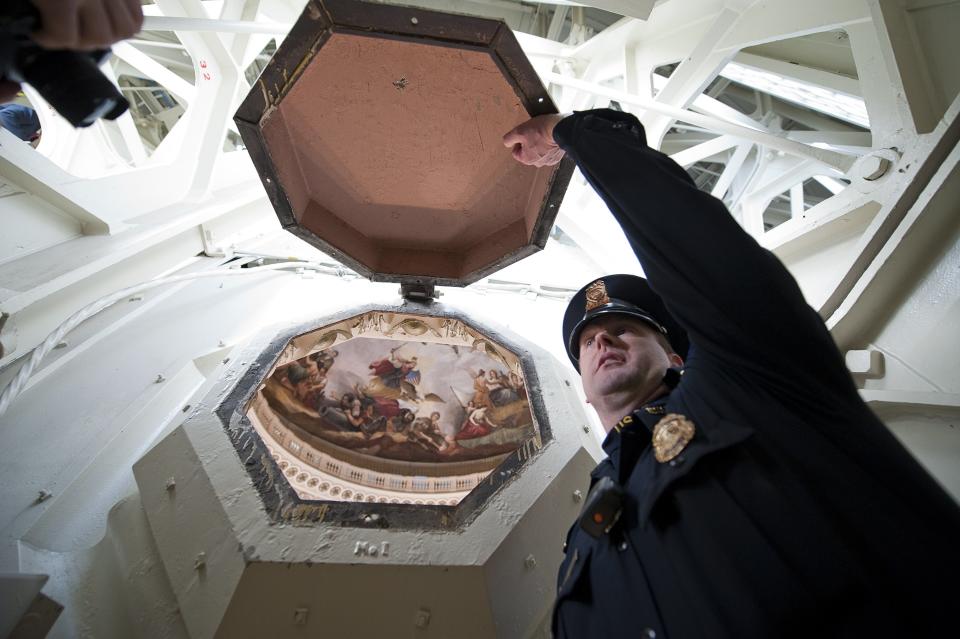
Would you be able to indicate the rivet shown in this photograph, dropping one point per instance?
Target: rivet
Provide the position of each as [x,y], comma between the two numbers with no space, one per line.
[539,99]
[171,484]
[530,562]
[414,21]
[577,496]
[586,429]
[622,546]
[43,496]
[200,562]
[221,343]
[160,379]
[62,344]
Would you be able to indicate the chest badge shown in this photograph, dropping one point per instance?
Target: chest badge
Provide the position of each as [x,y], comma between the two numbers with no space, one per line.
[670,436]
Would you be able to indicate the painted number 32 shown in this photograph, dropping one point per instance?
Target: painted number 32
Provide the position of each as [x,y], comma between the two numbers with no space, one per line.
[203,72]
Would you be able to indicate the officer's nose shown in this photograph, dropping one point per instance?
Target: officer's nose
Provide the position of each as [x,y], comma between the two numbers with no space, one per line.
[604,339]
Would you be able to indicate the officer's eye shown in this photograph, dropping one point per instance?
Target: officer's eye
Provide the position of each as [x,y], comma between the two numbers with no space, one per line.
[588,341]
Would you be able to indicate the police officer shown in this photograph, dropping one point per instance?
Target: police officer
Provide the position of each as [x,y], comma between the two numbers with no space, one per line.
[747,490]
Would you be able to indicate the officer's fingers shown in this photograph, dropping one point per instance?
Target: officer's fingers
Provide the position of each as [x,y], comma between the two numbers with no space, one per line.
[59,25]
[525,155]
[555,156]
[550,158]
[513,137]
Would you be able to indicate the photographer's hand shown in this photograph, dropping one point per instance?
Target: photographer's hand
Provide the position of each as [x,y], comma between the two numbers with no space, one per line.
[86,24]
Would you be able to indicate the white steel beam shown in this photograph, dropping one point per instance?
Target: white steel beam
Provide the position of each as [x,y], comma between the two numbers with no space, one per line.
[903,56]
[796,200]
[128,129]
[839,161]
[772,21]
[702,151]
[557,22]
[639,9]
[816,77]
[694,73]
[173,23]
[731,170]
[935,179]
[707,105]
[155,71]
[35,174]
[834,186]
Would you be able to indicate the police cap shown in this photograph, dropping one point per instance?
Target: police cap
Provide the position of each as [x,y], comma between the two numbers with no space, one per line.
[623,295]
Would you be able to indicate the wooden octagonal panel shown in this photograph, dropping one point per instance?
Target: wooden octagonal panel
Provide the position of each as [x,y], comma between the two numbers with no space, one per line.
[393,408]
[377,132]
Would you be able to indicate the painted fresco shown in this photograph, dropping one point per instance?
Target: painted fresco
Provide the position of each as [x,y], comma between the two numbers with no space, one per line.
[397,398]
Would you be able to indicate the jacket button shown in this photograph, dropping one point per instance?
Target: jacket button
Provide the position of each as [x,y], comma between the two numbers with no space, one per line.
[617,125]
[678,461]
[649,633]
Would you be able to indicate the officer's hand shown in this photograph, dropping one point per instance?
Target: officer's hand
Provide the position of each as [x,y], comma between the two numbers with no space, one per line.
[532,141]
[86,24]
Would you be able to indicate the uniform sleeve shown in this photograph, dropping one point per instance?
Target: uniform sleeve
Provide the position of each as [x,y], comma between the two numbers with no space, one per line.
[735,299]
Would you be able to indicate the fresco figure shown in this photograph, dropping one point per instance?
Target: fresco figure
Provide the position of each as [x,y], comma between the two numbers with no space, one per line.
[481,394]
[477,423]
[517,385]
[394,378]
[427,430]
[501,393]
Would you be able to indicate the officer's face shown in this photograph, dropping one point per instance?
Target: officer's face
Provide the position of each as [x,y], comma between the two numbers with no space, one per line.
[621,354]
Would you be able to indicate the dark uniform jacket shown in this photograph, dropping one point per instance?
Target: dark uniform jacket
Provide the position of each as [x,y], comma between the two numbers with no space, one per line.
[793,512]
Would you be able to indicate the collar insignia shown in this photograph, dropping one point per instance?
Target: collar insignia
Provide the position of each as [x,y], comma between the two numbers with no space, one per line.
[597,295]
[670,436]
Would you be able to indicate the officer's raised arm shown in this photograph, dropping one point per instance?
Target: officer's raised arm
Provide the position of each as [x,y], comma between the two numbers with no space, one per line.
[733,297]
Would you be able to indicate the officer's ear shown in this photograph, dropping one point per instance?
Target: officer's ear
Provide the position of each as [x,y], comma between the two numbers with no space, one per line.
[675,360]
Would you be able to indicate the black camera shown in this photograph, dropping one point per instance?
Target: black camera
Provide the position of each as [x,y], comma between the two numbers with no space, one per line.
[70,81]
